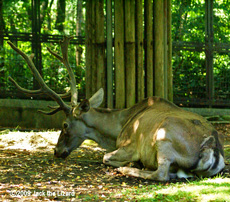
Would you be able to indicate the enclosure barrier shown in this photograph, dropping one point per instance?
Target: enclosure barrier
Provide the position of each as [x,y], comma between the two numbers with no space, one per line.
[142,54]
[128,49]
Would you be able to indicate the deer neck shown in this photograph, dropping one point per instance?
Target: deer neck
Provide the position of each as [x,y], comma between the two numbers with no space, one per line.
[105,125]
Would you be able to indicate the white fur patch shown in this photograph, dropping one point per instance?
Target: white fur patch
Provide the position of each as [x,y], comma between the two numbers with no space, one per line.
[182,174]
[206,163]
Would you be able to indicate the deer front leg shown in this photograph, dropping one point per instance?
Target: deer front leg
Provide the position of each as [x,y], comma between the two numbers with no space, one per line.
[120,157]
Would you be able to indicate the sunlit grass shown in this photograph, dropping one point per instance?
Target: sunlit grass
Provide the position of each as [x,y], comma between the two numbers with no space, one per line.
[216,189]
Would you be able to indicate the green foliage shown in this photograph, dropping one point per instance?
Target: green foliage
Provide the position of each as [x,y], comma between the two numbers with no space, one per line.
[188,20]
[189,69]
[17,16]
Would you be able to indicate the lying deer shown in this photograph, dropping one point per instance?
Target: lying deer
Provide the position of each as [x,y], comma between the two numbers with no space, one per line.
[168,141]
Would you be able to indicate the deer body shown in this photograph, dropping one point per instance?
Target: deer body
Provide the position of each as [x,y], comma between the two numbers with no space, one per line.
[164,139]
[167,140]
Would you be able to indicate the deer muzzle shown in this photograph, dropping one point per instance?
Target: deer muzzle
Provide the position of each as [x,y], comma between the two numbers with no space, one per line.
[62,154]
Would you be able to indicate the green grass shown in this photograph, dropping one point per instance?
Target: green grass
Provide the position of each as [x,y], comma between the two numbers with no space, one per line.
[216,189]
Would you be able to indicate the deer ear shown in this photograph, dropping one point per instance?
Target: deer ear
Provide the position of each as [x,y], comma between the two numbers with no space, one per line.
[209,142]
[97,98]
[84,106]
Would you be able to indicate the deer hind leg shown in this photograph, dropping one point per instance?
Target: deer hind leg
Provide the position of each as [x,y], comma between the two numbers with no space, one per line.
[161,174]
[120,157]
[164,159]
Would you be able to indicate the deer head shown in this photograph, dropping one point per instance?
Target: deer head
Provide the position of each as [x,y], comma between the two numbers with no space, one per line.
[74,128]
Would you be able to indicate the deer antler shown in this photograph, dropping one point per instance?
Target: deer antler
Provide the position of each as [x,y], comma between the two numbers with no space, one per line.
[44,88]
[65,61]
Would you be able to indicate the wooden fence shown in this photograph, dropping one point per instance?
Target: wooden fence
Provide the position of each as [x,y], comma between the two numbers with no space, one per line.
[128,50]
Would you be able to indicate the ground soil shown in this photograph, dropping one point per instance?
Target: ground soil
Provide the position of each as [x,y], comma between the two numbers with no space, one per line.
[29,171]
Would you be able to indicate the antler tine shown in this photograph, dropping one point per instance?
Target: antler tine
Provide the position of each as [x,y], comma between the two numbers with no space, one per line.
[65,61]
[35,92]
[51,112]
[44,88]
[29,92]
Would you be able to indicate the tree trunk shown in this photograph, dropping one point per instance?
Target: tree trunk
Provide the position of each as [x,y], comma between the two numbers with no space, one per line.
[49,15]
[59,25]
[44,10]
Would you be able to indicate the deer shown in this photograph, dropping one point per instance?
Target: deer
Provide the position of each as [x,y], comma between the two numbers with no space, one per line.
[154,139]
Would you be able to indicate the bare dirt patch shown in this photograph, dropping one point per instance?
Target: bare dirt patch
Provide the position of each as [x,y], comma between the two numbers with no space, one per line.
[29,171]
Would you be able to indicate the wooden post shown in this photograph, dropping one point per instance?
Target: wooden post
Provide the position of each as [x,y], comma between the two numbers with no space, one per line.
[139,51]
[94,48]
[100,45]
[140,69]
[79,49]
[119,54]
[149,58]
[165,49]
[109,54]
[169,53]
[88,53]
[209,51]
[130,52]
[159,48]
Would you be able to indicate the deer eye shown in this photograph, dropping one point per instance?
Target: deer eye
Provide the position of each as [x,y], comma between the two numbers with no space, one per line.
[65,125]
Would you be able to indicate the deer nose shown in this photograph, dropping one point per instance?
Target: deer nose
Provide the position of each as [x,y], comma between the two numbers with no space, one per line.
[55,152]
[64,154]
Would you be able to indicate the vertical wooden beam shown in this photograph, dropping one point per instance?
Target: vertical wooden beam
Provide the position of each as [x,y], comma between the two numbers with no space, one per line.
[209,35]
[130,52]
[88,54]
[149,58]
[109,55]
[100,46]
[119,54]
[94,48]
[165,49]
[169,52]
[139,50]
[36,44]
[159,48]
